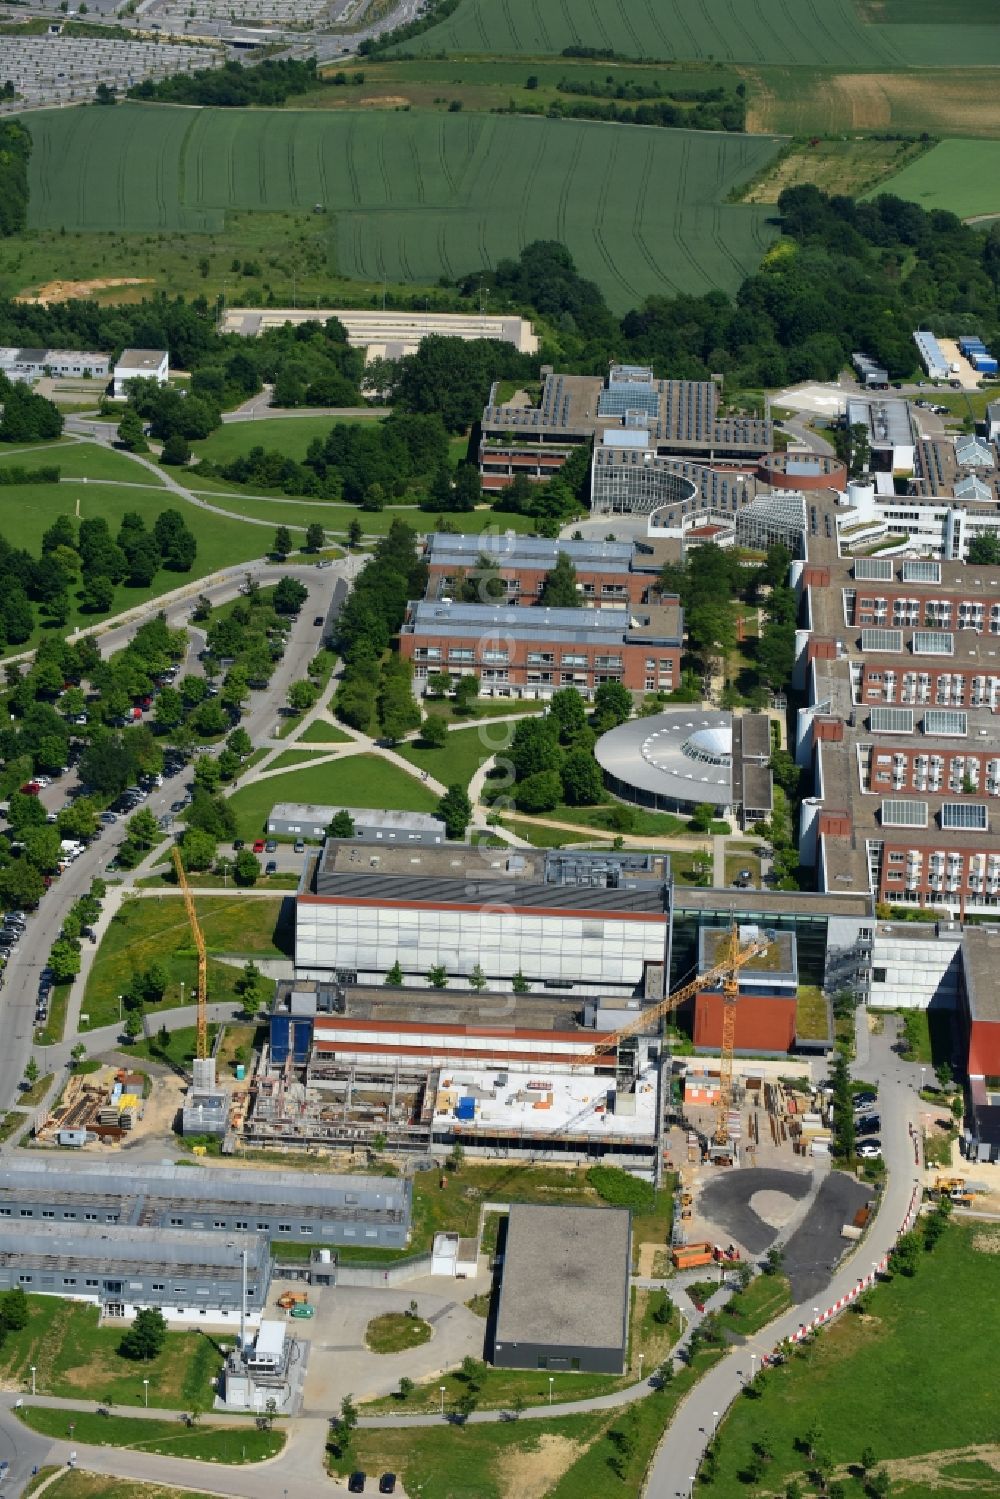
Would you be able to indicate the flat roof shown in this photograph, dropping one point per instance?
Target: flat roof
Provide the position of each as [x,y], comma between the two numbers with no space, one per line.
[141,359]
[105,1244]
[366,816]
[565,1277]
[511,550]
[981,967]
[455,1006]
[599,626]
[202,1184]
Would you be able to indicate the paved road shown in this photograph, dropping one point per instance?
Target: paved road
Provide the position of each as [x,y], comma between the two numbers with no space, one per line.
[681,1451]
[17,1000]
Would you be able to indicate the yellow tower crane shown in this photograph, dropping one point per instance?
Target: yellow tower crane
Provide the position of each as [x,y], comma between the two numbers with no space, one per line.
[201,1049]
[736,956]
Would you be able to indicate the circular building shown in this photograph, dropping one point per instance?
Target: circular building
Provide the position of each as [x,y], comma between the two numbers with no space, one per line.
[673,761]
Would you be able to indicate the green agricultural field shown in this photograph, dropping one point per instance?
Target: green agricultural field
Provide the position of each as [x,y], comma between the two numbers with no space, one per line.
[358,781]
[830,33]
[960,175]
[643,211]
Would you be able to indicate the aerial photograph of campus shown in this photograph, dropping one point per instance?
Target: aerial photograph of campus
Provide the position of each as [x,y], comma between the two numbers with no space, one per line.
[500,749]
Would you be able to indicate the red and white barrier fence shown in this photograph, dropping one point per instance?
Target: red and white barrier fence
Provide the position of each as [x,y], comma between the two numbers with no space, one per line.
[862,1284]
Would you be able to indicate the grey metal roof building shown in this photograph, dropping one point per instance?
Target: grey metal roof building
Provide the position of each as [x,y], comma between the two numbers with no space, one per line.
[564,1297]
[293,1206]
[371,825]
[511,550]
[673,761]
[600,626]
[122,1268]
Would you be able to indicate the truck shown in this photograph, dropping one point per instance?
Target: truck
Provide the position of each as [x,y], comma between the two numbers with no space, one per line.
[69,849]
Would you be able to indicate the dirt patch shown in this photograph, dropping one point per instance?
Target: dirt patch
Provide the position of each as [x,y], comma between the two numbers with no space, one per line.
[928,1468]
[987,1241]
[69,291]
[776,1208]
[531,1474]
[387,101]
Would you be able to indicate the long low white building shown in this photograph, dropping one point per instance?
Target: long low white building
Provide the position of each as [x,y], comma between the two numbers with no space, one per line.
[387,335]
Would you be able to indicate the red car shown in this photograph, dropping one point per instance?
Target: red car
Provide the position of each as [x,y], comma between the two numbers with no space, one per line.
[258,846]
[32,788]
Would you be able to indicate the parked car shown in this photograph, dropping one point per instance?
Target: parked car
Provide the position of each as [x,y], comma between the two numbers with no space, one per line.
[271,867]
[300,846]
[387,1483]
[356,1483]
[318,621]
[865,1100]
[237,845]
[870,1150]
[868,1124]
[178,806]
[271,847]
[258,845]
[109,817]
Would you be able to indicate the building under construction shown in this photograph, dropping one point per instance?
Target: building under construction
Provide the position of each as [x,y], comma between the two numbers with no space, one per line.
[500,1073]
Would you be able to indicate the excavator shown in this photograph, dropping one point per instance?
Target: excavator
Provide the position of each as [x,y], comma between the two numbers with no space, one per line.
[736,956]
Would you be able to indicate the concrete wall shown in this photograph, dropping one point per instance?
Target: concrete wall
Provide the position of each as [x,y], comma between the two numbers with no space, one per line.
[909,974]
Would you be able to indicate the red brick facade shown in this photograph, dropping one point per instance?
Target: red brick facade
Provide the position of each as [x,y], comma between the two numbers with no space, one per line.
[539,665]
[524,584]
[900,609]
[915,870]
[899,680]
[917,767]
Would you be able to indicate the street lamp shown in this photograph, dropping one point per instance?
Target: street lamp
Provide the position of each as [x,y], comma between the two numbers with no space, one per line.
[641,1357]
[552,1380]
[33,1379]
[715,1421]
[753,1371]
[441,1388]
[691,1489]
[120,998]
[145,1392]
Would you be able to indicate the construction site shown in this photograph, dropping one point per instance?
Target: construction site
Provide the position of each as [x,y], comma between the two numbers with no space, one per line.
[105,1106]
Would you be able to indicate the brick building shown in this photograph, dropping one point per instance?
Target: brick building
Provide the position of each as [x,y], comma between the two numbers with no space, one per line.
[532,653]
[616,573]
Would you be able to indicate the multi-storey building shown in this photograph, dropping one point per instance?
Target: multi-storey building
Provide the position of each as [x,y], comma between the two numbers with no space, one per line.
[535,652]
[901,665]
[679,417]
[616,573]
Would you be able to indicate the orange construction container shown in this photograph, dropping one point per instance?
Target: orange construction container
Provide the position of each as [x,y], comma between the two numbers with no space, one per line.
[690,1256]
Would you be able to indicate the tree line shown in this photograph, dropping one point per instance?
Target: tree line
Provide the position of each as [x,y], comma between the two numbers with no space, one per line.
[15,150]
[267,83]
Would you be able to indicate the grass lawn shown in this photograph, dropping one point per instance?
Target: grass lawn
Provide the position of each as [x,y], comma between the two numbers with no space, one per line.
[737,862]
[288,759]
[179,1050]
[75,1484]
[30,1096]
[154,929]
[320,731]
[543,837]
[643,824]
[84,460]
[812,1020]
[77,1359]
[52,1030]
[865,1378]
[29,509]
[482,707]
[563,1458]
[461,755]
[394,1332]
[359,781]
[750,1310]
[291,434]
[928,1036]
[216,1444]
[11,1122]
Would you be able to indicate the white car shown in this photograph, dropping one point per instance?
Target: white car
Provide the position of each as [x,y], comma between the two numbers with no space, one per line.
[868,1150]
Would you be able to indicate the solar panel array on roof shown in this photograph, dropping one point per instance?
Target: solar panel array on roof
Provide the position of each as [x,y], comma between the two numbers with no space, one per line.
[902,813]
[882,641]
[947,722]
[974,817]
[873,569]
[891,721]
[921,572]
[933,643]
